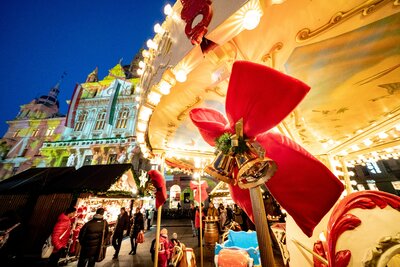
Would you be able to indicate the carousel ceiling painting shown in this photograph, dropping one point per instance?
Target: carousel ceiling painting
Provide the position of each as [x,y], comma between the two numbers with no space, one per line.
[360,84]
[347,51]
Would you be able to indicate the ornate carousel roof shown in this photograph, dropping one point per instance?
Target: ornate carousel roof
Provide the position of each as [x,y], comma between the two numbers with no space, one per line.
[347,51]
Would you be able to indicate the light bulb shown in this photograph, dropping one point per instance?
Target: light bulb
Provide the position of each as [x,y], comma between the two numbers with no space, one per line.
[145,54]
[181,75]
[367,142]
[165,87]
[168,9]
[383,135]
[141,126]
[140,71]
[158,29]
[151,44]
[251,19]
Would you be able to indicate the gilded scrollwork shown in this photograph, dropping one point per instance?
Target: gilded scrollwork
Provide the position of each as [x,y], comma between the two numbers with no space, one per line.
[188,107]
[365,9]
[269,57]
[216,90]
[384,244]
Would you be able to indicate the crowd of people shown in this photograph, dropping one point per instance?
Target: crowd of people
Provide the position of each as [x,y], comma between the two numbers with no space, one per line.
[85,240]
[223,215]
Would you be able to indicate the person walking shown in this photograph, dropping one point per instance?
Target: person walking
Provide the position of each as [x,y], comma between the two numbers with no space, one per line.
[192,216]
[150,218]
[60,235]
[121,229]
[137,227]
[164,252]
[197,223]
[212,211]
[90,239]
[237,213]
[222,218]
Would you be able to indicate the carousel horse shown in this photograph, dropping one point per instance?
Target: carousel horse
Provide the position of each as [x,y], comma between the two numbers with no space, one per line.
[182,256]
[363,230]
[234,226]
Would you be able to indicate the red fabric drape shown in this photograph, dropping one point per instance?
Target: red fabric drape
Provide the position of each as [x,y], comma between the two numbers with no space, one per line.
[158,181]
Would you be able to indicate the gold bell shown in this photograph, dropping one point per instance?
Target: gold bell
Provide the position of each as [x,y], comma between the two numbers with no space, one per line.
[222,167]
[253,170]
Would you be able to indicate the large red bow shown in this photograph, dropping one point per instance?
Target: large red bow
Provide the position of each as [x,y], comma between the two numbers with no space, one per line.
[263,97]
[158,181]
[203,190]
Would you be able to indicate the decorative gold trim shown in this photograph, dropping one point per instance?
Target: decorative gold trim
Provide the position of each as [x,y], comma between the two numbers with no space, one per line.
[171,125]
[270,56]
[188,107]
[385,244]
[377,75]
[216,90]
[365,9]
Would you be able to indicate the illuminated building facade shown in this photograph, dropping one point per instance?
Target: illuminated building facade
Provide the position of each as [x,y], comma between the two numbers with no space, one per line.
[37,122]
[100,123]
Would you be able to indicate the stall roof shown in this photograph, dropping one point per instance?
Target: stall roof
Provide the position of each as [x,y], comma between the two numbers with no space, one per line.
[95,178]
[33,179]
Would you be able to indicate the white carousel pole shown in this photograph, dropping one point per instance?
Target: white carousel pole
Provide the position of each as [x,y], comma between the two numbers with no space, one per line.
[159,219]
[201,222]
[200,215]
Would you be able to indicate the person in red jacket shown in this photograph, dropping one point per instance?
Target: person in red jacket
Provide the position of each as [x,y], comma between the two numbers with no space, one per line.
[60,235]
[197,222]
[164,250]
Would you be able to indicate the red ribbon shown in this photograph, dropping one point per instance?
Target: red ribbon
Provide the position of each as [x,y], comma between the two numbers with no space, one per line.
[158,182]
[263,97]
[203,190]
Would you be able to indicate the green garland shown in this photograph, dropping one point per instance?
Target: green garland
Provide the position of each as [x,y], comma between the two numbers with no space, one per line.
[116,193]
[223,144]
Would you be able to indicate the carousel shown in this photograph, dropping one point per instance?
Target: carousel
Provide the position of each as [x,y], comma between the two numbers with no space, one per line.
[300,98]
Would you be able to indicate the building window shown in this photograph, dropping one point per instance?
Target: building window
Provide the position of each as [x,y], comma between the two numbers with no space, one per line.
[87,160]
[112,159]
[16,133]
[50,131]
[24,152]
[63,162]
[81,121]
[122,118]
[35,132]
[14,170]
[101,120]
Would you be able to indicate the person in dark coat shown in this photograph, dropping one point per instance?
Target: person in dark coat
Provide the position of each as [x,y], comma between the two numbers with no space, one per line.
[192,216]
[137,227]
[60,235]
[90,238]
[120,229]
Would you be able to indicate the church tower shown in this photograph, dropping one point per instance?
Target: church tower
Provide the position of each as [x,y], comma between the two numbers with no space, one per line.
[37,122]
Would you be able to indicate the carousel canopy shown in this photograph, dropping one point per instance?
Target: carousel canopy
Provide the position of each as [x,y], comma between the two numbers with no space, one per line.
[347,51]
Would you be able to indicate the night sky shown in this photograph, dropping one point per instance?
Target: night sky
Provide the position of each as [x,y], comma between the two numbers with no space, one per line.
[42,40]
